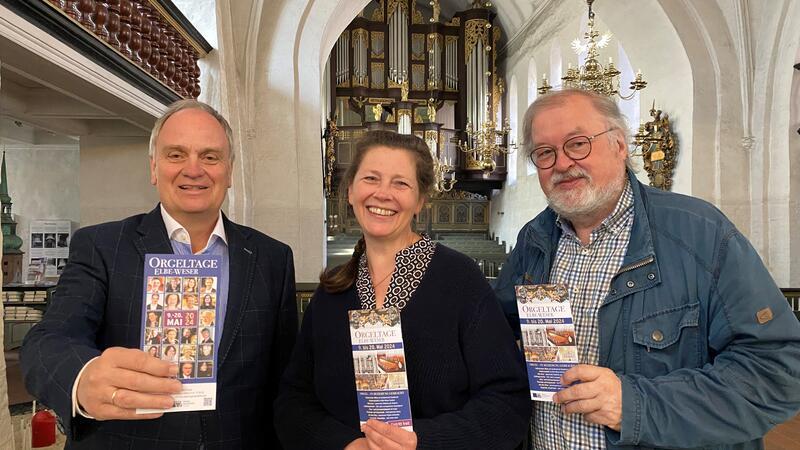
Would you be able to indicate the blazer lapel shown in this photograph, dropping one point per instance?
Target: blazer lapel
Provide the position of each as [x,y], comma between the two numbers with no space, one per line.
[241,270]
[152,235]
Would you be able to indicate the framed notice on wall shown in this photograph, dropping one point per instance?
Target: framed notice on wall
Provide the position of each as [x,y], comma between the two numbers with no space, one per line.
[49,248]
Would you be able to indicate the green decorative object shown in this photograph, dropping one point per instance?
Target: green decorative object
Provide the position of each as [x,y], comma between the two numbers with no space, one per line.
[11,242]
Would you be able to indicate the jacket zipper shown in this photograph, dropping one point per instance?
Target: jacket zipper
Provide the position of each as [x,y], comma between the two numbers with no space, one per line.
[636,265]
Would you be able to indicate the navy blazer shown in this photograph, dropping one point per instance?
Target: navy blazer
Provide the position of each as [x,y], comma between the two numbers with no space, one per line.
[98,304]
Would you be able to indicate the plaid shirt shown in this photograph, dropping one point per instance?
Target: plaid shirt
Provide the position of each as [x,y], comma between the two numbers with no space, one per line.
[587,271]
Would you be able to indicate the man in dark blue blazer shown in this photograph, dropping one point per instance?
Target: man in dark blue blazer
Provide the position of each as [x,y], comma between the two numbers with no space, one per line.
[83,360]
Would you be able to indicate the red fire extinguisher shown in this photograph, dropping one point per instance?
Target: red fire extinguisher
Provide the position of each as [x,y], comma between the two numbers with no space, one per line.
[43,428]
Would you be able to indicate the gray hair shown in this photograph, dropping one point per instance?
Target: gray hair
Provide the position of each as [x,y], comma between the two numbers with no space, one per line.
[606,106]
[180,105]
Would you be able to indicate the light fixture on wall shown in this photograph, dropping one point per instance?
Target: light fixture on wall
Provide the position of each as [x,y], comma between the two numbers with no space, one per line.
[592,75]
[657,146]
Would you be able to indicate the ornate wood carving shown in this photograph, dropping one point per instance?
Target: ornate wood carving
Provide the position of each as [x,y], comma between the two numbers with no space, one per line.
[71,8]
[125,27]
[147,30]
[86,7]
[149,33]
[113,23]
[136,33]
[100,18]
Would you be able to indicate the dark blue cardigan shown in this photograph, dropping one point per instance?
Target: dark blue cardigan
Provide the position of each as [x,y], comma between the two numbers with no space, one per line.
[466,376]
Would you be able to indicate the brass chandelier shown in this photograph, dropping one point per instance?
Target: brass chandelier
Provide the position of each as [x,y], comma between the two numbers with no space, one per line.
[593,76]
[445,175]
[482,144]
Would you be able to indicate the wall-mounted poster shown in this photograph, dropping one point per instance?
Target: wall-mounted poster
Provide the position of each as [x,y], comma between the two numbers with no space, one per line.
[49,248]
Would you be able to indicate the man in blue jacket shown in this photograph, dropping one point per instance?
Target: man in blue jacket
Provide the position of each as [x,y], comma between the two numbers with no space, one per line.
[684,339]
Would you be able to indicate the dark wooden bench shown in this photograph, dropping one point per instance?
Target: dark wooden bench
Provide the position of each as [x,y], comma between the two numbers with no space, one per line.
[793,297]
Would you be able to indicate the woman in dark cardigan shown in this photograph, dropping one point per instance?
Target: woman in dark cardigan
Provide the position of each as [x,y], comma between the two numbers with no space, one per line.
[466,377]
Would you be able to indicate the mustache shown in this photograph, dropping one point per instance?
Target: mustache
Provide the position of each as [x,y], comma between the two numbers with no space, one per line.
[571,174]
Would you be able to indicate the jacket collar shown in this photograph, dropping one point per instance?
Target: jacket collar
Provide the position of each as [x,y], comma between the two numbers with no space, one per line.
[641,245]
[152,234]
[242,257]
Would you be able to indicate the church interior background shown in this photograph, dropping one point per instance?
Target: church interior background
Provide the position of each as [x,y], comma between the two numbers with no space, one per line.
[711,92]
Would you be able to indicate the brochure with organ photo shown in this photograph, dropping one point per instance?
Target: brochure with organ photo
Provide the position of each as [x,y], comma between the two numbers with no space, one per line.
[548,336]
[379,363]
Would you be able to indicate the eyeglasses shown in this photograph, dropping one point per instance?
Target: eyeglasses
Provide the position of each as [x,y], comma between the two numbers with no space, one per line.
[575,148]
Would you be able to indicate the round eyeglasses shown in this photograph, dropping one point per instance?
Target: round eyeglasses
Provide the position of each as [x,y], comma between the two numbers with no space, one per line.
[575,148]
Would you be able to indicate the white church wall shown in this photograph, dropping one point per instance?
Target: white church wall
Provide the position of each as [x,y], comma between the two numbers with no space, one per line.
[776,48]
[519,202]
[272,57]
[114,176]
[42,185]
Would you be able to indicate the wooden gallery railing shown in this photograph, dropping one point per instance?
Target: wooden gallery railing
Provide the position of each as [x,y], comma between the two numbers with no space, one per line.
[151,35]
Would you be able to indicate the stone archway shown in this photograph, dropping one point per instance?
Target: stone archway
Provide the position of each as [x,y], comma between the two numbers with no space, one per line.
[272,59]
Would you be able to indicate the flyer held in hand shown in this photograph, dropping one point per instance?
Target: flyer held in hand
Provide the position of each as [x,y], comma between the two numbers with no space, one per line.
[548,336]
[179,323]
[379,362]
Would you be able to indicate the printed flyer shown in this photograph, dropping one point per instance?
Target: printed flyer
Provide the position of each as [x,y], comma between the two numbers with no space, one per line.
[548,336]
[379,363]
[49,248]
[179,323]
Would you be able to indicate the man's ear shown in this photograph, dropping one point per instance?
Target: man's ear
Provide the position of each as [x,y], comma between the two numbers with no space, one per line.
[622,147]
[153,178]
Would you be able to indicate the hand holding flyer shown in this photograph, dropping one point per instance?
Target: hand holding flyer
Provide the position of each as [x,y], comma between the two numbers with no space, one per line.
[548,336]
[179,323]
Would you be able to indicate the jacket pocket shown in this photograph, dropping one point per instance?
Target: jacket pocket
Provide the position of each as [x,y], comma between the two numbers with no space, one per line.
[667,340]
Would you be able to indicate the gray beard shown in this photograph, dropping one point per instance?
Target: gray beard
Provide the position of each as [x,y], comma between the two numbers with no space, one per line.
[588,202]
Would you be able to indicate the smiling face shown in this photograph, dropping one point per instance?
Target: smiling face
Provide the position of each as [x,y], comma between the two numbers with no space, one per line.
[191,166]
[588,187]
[385,196]
[172,300]
[191,301]
[172,334]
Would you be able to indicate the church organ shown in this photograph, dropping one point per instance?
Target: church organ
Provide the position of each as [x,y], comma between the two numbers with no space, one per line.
[399,66]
